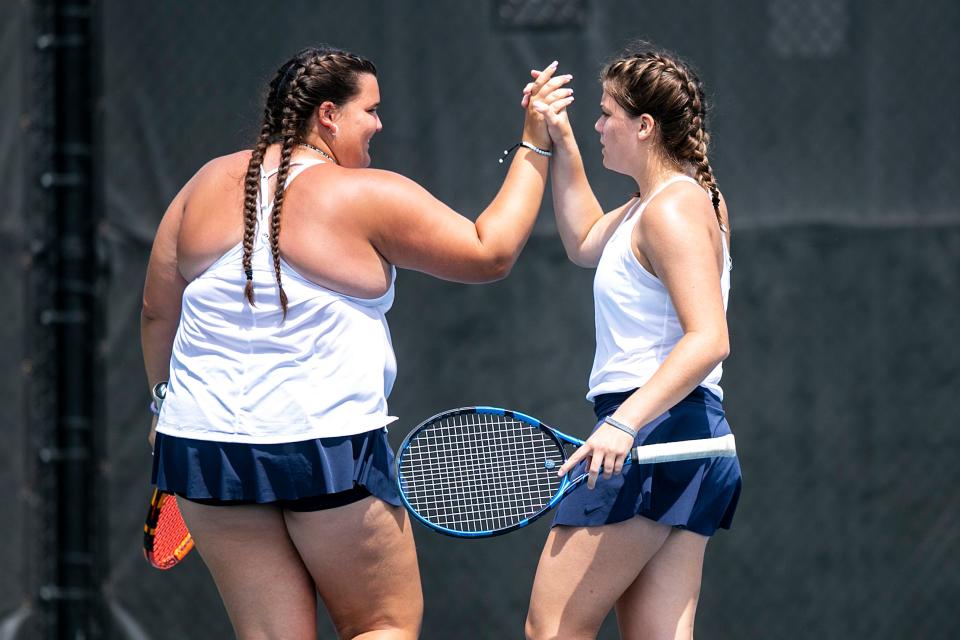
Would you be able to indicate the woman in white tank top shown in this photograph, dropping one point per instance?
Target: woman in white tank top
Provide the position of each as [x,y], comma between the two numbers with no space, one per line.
[634,541]
[264,306]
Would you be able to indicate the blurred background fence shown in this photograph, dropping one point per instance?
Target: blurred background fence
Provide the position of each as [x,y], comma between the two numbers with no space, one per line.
[834,140]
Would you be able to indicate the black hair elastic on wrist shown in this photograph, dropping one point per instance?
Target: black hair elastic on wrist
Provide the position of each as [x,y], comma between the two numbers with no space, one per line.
[543,152]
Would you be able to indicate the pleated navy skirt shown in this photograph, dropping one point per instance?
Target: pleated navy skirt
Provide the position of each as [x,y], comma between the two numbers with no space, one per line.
[238,473]
[699,495]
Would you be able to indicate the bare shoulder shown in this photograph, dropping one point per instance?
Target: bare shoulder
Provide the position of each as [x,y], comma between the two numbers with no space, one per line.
[360,188]
[220,172]
[214,191]
[382,184]
[231,162]
[681,208]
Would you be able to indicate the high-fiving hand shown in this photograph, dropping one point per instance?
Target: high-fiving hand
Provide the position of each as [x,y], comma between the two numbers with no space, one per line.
[546,99]
[553,106]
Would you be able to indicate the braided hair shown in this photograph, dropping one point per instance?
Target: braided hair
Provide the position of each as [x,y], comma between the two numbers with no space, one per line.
[658,83]
[314,76]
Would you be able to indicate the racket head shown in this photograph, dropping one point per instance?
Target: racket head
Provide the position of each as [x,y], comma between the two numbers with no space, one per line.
[166,539]
[477,472]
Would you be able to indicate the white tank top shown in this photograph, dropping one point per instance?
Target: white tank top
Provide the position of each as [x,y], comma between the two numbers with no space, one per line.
[239,374]
[637,324]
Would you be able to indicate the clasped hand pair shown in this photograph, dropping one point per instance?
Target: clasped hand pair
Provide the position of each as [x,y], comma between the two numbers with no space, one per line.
[546,99]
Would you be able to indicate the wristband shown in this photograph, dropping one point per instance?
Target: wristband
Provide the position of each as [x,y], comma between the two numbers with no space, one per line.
[159,392]
[619,425]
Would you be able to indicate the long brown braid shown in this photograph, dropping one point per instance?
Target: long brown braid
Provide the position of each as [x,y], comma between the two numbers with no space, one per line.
[314,76]
[658,83]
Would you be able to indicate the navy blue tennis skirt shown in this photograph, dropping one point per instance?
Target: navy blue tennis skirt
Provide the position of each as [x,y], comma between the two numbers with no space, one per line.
[699,495]
[238,473]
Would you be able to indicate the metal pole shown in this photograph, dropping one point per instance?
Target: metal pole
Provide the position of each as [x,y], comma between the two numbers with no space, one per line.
[71,592]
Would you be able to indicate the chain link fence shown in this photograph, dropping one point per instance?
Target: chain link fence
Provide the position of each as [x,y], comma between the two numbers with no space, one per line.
[835,148]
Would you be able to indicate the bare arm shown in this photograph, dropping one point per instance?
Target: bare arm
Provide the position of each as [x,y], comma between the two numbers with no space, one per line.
[676,238]
[583,227]
[162,293]
[412,229]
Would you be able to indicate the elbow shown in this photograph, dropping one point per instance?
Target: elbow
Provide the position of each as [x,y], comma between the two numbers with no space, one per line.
[153,313]
[579,257]
[580,261]
[711,348]
[498,268]
[147,312]
[480,272]
[721,349]
[491,266]
[502,266]
[723,354]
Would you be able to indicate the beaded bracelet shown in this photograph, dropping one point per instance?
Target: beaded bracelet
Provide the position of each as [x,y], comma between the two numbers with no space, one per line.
[543,152]
[619,425]
[153,408]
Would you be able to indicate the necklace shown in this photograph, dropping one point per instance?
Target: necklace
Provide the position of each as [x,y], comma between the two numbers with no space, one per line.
[320,151]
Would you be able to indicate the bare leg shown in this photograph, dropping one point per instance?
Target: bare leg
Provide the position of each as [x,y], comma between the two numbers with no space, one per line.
[364,563]
[662,602]
[582,573]
[265,587]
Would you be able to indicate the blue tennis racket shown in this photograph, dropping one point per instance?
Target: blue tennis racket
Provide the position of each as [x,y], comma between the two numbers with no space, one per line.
[477,472]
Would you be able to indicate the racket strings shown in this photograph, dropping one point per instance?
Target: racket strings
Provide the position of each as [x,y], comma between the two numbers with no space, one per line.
[171,538]
[480,472]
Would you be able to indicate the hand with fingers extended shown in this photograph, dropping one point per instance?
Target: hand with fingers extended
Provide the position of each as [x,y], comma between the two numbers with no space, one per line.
[606,450]
[552,107]
[546,96]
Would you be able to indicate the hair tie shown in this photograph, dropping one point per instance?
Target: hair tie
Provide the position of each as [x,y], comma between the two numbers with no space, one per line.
[546,153]
[249,273]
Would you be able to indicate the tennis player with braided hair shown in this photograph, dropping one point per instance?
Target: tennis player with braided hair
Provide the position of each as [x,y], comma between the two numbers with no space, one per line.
[265,301]
[635,541]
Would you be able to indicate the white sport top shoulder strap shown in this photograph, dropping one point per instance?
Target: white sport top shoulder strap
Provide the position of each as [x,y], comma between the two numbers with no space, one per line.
[296,168]
[636,323]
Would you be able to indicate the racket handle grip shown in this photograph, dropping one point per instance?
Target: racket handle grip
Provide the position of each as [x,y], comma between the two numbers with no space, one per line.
[722,447]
